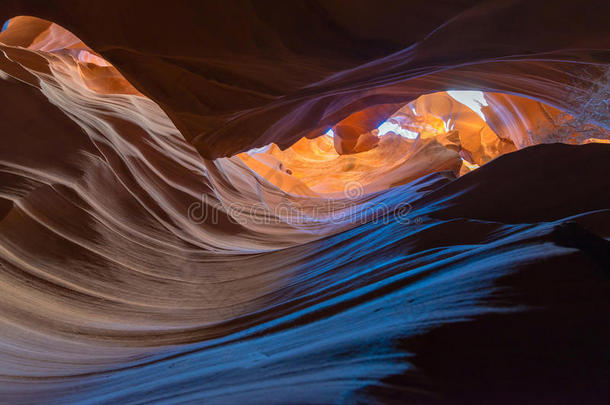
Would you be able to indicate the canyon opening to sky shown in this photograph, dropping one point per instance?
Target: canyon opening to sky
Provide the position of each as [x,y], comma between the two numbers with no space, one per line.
[305,202]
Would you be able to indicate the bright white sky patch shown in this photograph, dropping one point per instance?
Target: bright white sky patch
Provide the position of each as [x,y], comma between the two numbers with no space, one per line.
[262,149]
[473,99]
[330,133]
[397,129]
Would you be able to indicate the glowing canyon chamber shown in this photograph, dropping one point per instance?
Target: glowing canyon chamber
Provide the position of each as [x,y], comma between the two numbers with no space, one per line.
[179,229]
[456,131]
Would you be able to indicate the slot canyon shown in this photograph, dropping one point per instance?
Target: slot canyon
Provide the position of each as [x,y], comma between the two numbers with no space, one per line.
[305,202]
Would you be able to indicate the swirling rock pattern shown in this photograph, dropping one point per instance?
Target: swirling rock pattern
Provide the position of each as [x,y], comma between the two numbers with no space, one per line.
[143,260]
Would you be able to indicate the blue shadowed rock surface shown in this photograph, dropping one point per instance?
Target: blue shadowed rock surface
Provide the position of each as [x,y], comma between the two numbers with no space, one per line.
[144,260]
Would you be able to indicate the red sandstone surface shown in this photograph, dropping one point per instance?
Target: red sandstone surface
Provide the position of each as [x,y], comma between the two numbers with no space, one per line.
[150,253]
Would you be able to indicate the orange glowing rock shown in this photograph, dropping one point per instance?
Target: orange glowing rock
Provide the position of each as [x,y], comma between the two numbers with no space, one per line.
[353,134]
[144,256]
[447,135]
[66,55]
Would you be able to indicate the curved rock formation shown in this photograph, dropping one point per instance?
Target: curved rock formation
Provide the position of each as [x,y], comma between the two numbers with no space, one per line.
[436,249]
